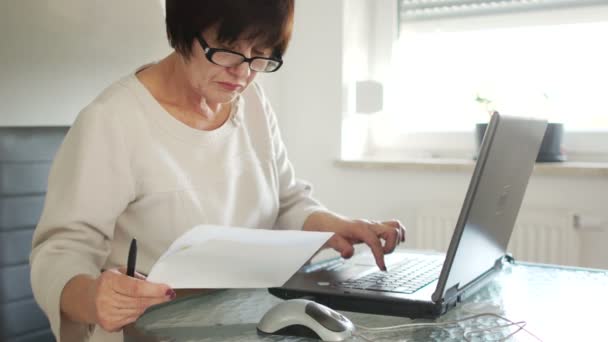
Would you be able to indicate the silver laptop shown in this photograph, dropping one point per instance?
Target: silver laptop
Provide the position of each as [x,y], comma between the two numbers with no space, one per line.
[423,284]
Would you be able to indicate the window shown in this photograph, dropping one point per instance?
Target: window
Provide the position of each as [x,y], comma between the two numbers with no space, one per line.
[455,60]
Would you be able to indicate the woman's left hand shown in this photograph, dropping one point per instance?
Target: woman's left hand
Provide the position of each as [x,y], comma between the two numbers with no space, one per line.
[350,232]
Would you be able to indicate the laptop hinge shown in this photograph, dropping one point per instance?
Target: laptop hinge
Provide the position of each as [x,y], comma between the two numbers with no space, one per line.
[451,295]
[509,258]
[501,262]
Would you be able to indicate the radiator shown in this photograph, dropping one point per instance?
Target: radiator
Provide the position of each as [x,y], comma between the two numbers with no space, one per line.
[545,236]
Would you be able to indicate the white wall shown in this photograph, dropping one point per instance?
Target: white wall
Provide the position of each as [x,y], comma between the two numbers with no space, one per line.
[310,104]
[56,56]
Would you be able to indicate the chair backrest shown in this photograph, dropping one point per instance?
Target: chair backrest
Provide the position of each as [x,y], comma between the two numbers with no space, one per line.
[26,154]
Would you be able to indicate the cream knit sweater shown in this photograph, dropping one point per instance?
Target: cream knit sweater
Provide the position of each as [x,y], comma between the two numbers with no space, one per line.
[127,169]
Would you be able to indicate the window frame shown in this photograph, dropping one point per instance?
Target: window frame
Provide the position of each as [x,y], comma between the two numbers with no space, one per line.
[580,146]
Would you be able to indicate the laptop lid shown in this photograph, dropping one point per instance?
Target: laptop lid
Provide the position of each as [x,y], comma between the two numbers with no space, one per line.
[496,190]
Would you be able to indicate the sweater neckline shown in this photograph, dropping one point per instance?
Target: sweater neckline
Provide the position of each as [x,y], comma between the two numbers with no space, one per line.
[179,129]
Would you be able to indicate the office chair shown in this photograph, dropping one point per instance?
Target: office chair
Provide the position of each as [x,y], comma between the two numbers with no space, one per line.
[26,154]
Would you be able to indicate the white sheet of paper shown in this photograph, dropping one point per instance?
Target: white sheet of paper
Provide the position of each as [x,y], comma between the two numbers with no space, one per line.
[230,257]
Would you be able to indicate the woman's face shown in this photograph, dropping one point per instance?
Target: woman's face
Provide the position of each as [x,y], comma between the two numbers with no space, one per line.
[218,84]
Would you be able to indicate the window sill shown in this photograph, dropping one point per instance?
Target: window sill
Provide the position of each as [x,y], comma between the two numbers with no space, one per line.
[578,169]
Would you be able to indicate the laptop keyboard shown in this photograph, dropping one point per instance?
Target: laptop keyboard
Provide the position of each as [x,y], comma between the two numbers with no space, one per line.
[407,276]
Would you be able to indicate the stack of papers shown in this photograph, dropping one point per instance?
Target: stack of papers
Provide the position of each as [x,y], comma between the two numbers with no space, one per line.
[229,257]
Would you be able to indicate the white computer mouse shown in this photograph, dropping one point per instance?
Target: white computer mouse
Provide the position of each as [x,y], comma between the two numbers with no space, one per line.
[302,317]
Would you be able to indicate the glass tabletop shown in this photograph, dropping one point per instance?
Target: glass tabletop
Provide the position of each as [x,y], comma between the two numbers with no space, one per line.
[556,304]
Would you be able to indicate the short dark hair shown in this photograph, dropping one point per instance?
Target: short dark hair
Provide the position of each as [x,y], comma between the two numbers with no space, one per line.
[268,20]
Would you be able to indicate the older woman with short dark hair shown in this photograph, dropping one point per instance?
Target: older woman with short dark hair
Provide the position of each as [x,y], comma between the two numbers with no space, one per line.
[185,141]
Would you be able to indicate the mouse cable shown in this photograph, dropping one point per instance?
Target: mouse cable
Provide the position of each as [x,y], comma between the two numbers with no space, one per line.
[521,326]
[474,333]
[480,332]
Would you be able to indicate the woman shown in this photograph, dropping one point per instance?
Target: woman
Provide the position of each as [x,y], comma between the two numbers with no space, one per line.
[185,141]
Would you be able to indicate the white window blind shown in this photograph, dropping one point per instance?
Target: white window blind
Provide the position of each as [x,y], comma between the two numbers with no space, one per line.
[412,10]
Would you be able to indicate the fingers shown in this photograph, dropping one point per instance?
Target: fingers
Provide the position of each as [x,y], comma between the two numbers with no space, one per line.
[366,234]
[389,234]
[394,235]
[112,317]
[140,276]
[138,303]
[370,233]
[134,287]
[340,244]
[117,325]
[401,228]
[391,239]
[137,275]
[392,232]
[120,299]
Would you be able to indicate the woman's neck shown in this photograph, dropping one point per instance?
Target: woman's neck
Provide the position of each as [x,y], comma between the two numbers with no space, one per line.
[172,71]
[169,85]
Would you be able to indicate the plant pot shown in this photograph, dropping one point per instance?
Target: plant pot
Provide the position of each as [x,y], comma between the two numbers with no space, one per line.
[550,148]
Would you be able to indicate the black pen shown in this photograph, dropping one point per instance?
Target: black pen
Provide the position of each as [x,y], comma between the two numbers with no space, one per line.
[132,258]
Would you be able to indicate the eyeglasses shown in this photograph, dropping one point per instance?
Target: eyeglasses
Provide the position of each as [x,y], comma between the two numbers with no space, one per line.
[229,58]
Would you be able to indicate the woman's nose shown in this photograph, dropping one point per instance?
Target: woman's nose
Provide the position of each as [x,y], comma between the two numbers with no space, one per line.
[241,70]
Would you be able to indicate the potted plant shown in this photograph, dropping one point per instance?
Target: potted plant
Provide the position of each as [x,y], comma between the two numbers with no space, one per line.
[551,148]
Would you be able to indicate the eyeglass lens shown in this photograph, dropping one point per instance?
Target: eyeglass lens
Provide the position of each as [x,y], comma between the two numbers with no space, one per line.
[230,59]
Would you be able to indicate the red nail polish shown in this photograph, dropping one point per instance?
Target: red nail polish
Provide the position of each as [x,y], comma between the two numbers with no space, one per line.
[170,293]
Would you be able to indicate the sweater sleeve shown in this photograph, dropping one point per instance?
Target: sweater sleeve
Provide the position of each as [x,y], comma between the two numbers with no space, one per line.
[296,201]
[89,186]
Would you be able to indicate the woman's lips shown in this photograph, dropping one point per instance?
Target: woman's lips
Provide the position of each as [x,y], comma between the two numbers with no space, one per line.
[230,86]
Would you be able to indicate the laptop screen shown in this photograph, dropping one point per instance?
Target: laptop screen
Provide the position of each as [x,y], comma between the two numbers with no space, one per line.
[496,190]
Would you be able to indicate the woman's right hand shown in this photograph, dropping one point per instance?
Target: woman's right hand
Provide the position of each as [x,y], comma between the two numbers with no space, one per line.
[120,299]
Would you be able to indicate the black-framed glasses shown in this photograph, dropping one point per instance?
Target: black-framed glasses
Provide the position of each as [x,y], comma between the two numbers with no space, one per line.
[229,58]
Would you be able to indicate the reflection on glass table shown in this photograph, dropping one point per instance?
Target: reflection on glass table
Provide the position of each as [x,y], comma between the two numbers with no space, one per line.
[556,304]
